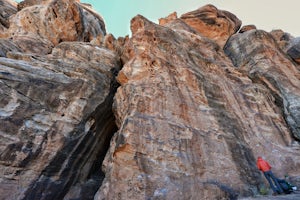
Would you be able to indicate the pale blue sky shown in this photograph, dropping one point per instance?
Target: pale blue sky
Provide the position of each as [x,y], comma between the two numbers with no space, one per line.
[265,14]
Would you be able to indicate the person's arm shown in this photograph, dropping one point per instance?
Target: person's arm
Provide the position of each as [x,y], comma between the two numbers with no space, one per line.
[258,165]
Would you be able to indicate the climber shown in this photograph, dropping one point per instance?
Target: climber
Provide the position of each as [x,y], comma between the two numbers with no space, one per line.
[265,167]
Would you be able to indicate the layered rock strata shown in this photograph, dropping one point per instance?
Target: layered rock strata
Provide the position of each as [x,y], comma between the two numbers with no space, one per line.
[55,109]
[196,102]
[42,25]
[56,120]
[257,54]
[294,50]
[7,8]
[213,23]
[192,122]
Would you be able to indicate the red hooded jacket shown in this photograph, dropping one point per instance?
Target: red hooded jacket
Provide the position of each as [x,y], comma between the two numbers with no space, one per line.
[263,165]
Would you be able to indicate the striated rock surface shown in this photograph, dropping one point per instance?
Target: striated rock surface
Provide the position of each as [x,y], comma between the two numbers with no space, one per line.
[294,50]
[259,57]
[215,24]
[283,39]
[196,102]
[191,123]
[55,110]
[7,9]
[50,140]
[44,24]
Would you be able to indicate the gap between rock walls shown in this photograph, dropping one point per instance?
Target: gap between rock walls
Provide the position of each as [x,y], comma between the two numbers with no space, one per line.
[75,172]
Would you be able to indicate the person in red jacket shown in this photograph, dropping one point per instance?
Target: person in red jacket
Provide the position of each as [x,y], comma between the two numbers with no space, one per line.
[265,167]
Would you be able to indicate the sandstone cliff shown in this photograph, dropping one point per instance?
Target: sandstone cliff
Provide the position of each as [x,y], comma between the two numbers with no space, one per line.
[179,110]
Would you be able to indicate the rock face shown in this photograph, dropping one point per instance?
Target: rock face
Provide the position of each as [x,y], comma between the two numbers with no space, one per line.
[7,8]
[40,27]
[215,24]
[196,103]
[283,39]
[259,57]
[181,113]
[294,50]
[55,109]
[49,109]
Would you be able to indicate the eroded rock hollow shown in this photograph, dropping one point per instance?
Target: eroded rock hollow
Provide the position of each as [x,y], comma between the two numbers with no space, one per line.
[178,110]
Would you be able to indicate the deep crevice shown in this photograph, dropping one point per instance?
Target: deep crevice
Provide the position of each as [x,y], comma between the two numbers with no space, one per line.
[78,165]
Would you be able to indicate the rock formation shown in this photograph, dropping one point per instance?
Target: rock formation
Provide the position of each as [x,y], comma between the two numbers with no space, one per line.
[7,8]
[247,28]
[178,110]
[56,119]
[215,24]
[260,58]
[294,50]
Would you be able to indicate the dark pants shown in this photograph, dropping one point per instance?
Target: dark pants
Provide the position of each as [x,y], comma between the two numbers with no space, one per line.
[271,178]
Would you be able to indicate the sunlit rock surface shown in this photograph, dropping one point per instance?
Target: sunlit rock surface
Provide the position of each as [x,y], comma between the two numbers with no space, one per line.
[213,23]
[208,21]
[247,28]
[41,25]
[178,110]
[192,120]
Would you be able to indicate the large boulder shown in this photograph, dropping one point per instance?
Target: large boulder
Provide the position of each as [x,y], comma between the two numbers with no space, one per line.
[213,23]
[41,25]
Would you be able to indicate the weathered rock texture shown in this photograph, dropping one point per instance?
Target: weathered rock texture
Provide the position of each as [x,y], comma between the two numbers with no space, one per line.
[39,27]
[7,8]
[191,124]
[197,102]
[55,119]
[261,59]
[55,110]
[215,24]
[247,28]
[294,50]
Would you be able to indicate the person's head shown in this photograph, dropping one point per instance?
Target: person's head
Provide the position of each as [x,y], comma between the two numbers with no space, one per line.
[259,158]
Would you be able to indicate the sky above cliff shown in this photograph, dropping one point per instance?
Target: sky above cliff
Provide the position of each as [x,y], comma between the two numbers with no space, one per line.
[265,14]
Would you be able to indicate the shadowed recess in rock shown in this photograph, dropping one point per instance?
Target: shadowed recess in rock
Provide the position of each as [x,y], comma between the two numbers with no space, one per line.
[78,165]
